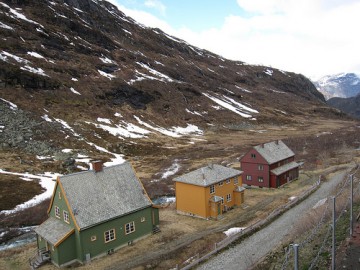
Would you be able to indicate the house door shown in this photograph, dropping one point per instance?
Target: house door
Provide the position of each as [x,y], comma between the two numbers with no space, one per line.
[218,209]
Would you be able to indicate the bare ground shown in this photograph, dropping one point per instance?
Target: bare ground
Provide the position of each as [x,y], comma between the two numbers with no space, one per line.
[182,236]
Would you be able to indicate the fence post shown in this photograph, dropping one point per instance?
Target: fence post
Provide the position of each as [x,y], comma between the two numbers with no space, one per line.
[333,237]
[351,204]
[296,256]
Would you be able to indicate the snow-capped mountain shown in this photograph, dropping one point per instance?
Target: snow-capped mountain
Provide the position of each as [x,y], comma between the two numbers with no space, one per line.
[342,85]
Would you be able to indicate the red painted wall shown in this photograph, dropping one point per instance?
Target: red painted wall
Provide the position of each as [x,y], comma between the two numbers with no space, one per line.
[250,167]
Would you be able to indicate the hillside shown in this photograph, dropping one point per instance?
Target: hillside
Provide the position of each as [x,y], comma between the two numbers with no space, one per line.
[349,105]
[80,80]
[342,85]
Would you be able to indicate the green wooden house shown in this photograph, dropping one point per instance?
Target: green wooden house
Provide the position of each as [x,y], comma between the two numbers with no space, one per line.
[94,213]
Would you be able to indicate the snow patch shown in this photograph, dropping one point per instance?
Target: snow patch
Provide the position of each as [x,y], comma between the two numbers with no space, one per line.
[46,118]
[173,169]
[36,55]
[320,203]
[38,71]
[12,105]
[5,26]
[74,91]
[269,72]
[107,75]
[106,60]
[47,181]
[232,105]
[233,231]
[175,132]
[19,15]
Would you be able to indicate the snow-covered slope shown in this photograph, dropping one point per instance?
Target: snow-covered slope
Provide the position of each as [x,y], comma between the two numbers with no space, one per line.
[342,85]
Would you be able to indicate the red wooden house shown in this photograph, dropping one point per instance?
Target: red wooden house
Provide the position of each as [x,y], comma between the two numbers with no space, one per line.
[269,165]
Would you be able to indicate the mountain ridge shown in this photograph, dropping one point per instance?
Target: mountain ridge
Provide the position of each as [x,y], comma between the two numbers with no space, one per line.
[100,80]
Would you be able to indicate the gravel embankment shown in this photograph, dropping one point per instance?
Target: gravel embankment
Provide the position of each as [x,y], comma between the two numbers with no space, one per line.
[255,247]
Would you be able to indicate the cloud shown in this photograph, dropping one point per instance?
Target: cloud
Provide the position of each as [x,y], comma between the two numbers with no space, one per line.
[312,37]
[157,5]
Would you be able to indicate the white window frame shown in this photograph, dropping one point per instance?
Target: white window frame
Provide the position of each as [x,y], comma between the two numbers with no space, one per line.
[57,212]
[228,181]
[212,189]
[221,183]
[109,235]
[260,179]
[222,200]
[142,219]
[66,216]
[236,180]
[228,197]
[253,155]
[93,238]
[130,227]
[248,177]
[260,167]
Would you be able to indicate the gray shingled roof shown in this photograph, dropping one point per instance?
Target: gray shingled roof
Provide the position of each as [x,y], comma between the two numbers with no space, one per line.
[273,152]
[285,168]
[53,230]
[208,175]
[96,197]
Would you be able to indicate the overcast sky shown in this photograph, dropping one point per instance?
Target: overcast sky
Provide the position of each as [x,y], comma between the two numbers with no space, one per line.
[312,37]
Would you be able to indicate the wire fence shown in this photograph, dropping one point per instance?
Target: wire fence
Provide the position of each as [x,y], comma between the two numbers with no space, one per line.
[202,256]
[317,230]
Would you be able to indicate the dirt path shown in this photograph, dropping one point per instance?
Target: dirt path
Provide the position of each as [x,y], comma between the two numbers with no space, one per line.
[255,247]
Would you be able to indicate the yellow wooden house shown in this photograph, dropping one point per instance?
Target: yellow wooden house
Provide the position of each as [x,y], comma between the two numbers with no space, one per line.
[208,192]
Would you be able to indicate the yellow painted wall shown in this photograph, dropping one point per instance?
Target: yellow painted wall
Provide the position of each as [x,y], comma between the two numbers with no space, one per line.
[191,199]
[195,199]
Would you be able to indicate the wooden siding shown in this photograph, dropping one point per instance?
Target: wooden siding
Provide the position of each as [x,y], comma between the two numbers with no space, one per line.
[98,247]
[192,199]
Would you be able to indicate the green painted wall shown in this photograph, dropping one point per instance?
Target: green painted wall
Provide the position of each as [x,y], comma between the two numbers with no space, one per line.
[79,244]
[66,250]
[59,201]
[97,247]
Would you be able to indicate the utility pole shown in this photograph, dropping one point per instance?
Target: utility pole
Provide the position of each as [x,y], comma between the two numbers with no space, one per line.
[296,256]
[351,204]
[333,237]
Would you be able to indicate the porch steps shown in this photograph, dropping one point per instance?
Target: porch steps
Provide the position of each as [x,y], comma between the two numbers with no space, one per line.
[156,229]
[39,260]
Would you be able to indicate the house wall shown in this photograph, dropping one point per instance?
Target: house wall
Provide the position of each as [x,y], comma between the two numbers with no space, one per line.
[250,166]
[64,253]
[191,199]
[195,200]
[59,201]
[225,189]
[99,247]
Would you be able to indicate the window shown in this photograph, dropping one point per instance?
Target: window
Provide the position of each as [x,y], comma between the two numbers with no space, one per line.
[59,195]
[228,181]
[142,219]
[253,156]
[109,235]
[222,200]
[260,179]
[248,177]
[236,181]
[212,189]
[66,216]
[228,197]
[130,227]
[221,183]
[57,212]
[261,167]
[93,238]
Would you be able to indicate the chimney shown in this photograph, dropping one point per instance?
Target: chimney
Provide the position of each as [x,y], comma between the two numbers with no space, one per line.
[97,166]
[262,145]
[277,141]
